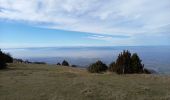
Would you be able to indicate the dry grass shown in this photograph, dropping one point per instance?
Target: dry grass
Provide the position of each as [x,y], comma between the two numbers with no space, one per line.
[50,82]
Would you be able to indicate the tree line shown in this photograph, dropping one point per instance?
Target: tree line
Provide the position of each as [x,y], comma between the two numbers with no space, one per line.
[126,63]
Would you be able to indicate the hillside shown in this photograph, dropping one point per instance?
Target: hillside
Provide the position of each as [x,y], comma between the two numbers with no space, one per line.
[51,82]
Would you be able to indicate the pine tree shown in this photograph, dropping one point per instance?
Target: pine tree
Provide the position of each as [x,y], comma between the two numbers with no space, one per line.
[112,67]
[127,64]
[136,64]
[123,63]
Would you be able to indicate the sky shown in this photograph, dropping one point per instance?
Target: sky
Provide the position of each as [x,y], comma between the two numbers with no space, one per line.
[52,23]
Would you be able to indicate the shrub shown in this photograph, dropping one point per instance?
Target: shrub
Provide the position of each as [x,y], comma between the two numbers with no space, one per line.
[146,71]
[58,64]
[38,62]
[2,65]
[5,58]
[65,63]
[137,66]
[97,67]
[73,65]
[112,67]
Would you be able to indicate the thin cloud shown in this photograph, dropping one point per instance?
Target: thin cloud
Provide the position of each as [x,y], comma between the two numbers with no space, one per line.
[107,37]
[112,17]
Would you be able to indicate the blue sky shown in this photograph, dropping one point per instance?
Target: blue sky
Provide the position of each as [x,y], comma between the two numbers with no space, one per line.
[49,23]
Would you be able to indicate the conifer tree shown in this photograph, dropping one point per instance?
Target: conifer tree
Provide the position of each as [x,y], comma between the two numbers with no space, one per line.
[123,63]
[112,67]
[127,64]
[136,64]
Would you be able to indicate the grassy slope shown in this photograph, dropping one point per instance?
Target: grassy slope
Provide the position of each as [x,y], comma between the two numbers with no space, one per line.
[50,82]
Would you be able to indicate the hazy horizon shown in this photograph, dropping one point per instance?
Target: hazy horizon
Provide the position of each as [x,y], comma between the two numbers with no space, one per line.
[154,57]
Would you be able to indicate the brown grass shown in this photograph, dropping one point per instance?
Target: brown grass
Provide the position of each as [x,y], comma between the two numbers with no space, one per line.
[51,82]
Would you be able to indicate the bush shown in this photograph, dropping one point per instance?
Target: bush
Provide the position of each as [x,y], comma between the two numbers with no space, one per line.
[65,63]
[127,64]
[58,64]
[73,65]
[146,71]
[5,58]
[97,67]
[2,65]
[38,62]
[112,67]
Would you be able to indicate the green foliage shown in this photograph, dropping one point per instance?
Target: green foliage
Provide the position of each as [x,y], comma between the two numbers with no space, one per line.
[146,71]
[123,63]
[73,65]
[58,64]
[2,65]
[97,67]
[112,67]
[5,58]
[127,64]
[137,66]
[38,62]
[65,63]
